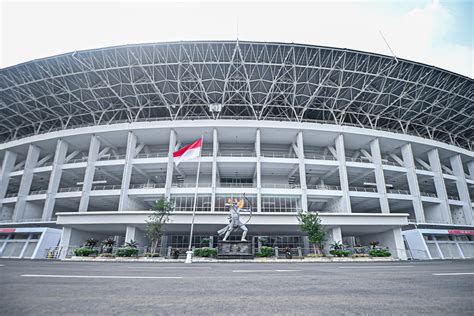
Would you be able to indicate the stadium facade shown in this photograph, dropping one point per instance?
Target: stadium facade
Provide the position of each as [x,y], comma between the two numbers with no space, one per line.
[380,147]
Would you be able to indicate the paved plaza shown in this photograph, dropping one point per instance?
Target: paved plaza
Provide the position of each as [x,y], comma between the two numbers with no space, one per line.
[73,288]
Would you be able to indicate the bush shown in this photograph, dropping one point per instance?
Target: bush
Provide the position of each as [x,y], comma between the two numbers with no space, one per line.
[85,252]
[205,252]
[340,253]
[265,252]
[127,252]
[205,242]
[106,255]
[152,254]
[380,253]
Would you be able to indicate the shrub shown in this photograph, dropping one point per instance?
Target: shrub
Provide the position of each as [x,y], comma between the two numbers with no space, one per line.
[205,252]
[265,252]
[127,252]
[380,253]
[152,254]
[340,253]
[106,255]
[316,255]
[85,252]
[205,242]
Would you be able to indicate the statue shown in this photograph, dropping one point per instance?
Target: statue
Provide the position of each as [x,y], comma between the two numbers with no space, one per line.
[235,207]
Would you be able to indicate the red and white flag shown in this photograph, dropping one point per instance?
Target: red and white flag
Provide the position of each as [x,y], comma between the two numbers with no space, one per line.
[188,152]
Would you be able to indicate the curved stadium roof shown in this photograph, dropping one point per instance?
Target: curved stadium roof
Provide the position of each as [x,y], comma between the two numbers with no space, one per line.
[246,80]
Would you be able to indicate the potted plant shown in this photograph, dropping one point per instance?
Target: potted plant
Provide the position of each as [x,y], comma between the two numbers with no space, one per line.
[175,254]
[108,244]
[287,251]
[374,244]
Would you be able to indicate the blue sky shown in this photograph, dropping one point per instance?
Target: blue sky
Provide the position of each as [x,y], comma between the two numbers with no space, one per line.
[438,33]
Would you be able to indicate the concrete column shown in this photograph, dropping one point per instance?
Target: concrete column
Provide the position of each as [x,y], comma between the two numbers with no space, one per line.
[25,184]
[127,171]
[170,167]
[407,154]
[441,192]
[461,185]
[392,238]
[89,174]
[130,233]
[470,166]
[379,175]
[341,158]
[333,234]
[65,241]
[258,170]
[54,179]
[8,164]
[302,169]
[215,150]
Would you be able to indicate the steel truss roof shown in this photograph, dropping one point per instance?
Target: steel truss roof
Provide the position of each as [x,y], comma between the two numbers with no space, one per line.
[245,80]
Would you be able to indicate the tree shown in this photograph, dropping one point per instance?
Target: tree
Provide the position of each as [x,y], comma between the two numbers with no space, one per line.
[310,223]
[156,220]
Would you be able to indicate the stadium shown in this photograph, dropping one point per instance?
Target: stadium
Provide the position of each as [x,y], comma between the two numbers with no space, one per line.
[379,146]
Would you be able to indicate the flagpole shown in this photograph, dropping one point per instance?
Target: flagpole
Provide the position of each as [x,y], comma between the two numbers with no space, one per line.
[189,252]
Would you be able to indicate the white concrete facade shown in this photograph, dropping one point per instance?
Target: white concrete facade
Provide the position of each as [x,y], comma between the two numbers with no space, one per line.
[367,184]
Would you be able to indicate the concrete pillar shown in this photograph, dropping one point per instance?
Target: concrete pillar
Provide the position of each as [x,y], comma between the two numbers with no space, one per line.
[133,233]
[392,239]
[302,169]
[334,234]
[470,166]
[258,170]
[25,184]
[407,154]
[379,175]
[89,174]
[127,171]
[215,150]
[170,167]
[441,192]
[65,241]
[54,179]
[461,185]
[341,158]
[8,164]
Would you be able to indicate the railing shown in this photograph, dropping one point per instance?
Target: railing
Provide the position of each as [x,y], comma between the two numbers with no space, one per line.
[323,187]
[191,185]
[426,221]
[152,155]
[428,194]
[236,185]
[77,160]
[147,186]
[38,192]
[12,195]
[390,163]
[361,189]
[236,154]
[363,159]
[71,189]
[453,197]
[106,187]
[277,155]
[111,157]
[319,157]
[281,186]
[396,191]
[23,220]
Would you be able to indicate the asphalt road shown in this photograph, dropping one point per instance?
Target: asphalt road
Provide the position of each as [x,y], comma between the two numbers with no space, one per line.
[73,288]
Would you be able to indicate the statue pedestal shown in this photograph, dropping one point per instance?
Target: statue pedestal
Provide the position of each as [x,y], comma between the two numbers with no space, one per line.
[234,249]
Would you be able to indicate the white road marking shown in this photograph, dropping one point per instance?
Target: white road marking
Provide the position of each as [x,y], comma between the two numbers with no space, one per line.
[2,265]
[169,267]
[95,276]
[457,273]
[257,271]
[374,267]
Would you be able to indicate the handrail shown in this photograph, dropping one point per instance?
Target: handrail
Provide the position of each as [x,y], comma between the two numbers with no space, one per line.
[361,189]
[397,191]
[277,155]
[362,159]
[281,185]
[323,187]
[319,157]
[152,155]
[38,192]
[111,157]
[106,187]
[428,194]
[147,186]
[236,154]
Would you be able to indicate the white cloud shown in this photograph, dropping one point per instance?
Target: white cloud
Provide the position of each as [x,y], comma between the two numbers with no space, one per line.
[42,29]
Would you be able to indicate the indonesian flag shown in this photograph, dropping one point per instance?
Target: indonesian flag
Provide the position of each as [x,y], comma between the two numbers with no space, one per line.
[188,152]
